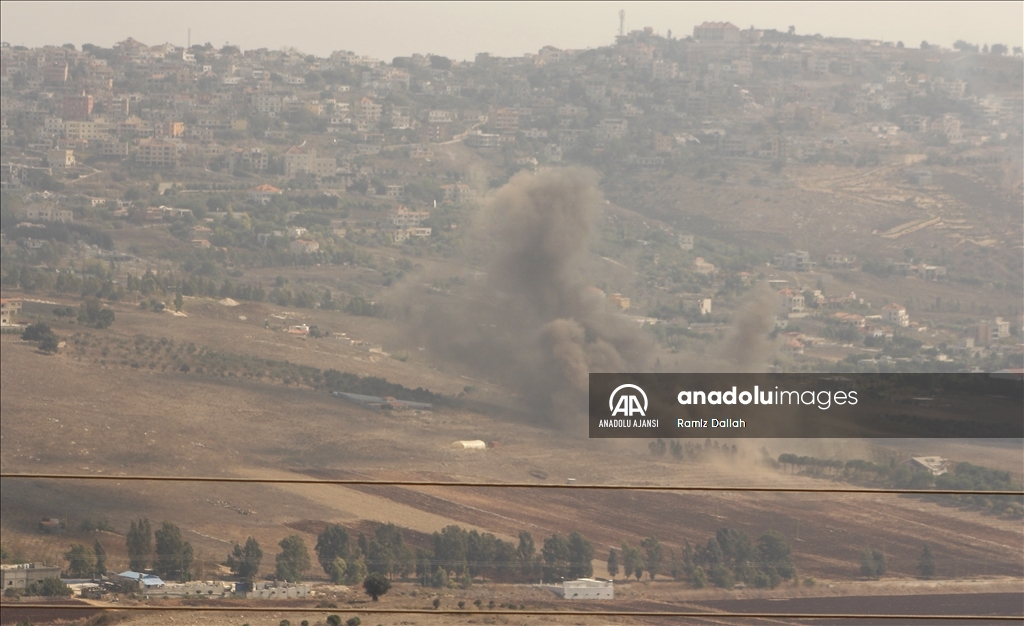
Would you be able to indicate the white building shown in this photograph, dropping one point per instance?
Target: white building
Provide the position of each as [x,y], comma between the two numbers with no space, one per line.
[584,589]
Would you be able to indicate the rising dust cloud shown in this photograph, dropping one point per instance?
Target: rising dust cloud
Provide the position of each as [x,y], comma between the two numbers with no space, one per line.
[534,325]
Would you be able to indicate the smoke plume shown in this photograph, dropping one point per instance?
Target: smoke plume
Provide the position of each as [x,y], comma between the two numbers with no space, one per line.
[533,324]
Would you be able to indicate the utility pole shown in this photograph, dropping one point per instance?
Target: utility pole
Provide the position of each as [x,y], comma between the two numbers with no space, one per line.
[622,22]
[189,39]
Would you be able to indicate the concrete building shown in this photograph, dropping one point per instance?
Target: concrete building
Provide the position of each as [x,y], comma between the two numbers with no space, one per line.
[144,581]
[896,314]
[77,107]
[22,575]
[792,300]
[936,465]
[619,300]
[701,266]
[992,330]
[156,153]
[303,246]
[59,157]
[46,213]
[716,31]
[403,217]
[9,310]
[584,589]
[264,193]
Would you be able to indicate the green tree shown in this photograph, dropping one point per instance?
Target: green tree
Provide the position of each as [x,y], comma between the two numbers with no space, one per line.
[355,571]
[333,543]
[581,556]
[36,332]
[173,554]
[337,571]
[293,560]
[632,561]
[376,585]
[654,555]
[101,558]
[49,587]
[139,542]
[179,301]
[50,343]
[556,558]
[81,561]
[926,564]
[872,563]
[244,562]
[699,578]
[775,555]
[613,563]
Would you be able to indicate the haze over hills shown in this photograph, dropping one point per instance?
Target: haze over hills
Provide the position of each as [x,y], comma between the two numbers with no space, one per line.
[200,244]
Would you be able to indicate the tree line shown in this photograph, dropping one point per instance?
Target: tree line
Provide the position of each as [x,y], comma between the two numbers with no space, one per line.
[961,476]
[728,558]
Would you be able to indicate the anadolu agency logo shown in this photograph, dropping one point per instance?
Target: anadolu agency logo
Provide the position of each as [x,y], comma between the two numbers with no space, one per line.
[627,404]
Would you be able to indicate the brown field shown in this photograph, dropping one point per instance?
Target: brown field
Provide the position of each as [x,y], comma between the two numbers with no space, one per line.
[70,413]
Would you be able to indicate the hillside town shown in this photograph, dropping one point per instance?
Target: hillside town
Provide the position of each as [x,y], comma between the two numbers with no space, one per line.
[263,158]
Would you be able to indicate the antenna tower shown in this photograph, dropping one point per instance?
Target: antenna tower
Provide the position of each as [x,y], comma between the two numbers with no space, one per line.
[622,22]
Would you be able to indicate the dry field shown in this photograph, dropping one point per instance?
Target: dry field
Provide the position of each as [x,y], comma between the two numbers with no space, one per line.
[69,413]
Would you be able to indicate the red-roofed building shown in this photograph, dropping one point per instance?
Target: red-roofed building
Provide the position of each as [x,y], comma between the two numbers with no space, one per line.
[264,193]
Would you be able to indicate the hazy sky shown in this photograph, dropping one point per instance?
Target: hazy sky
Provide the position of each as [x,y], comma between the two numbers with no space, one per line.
[460,30]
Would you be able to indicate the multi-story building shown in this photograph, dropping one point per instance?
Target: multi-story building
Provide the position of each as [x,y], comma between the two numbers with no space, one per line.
[156,153]
[77,107]
[895,314]
[299,159]
[9,310]
[59,157]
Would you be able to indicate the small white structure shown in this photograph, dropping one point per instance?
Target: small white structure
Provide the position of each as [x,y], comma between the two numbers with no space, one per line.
[936,465]
[584,589]
[278,591]
[475,444]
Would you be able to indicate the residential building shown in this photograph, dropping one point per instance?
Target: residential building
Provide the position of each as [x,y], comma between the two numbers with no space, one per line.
[9,310]
[299,159]
[505,120]
[619,300]
[22,575]
[303,246]
[156,153]
[798,260]
[716,31]
[700,266]
[403,217]
[77,107]
[612,128]
[48,213]
[79,130]
[404,234]
[840,260]
[458,193]
[895,314]
[264,193]
[993,330]
[59,157]
[792,300]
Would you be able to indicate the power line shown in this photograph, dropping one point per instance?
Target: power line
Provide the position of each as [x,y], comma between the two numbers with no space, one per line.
[480,484]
